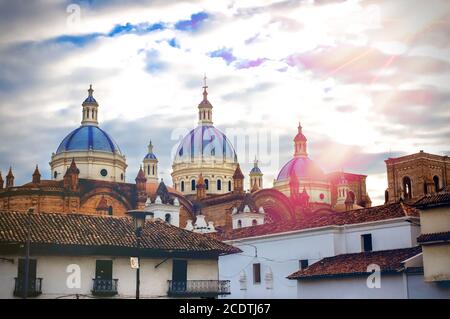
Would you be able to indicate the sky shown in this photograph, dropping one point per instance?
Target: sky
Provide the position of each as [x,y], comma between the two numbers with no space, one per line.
[367,80]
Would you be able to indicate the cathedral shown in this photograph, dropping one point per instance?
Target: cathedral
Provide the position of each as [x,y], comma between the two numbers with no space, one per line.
[207,193]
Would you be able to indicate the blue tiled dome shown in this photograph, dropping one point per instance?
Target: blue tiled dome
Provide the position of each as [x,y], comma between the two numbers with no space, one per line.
[205,141]
[256,170]
[88,137]
[150,156]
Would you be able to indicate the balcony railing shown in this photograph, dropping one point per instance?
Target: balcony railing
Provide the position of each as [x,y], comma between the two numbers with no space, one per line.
[198,288]
[34,287]
[104,287]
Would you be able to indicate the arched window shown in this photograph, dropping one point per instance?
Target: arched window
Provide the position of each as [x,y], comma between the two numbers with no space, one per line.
[254,222]
[229,186]
[407,190]
[148,169]
[239,224]
[87,113]
[193,185]
[168,218]
[110,210]
[182,186]
[55,174]
[219,185]
[121,176]
[206,184]
[425,188]
[153,170]
[436,183]
[386,196]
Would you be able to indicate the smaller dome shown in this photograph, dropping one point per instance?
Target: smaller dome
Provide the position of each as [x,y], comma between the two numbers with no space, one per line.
[150,156]
[302,167]
[255,170]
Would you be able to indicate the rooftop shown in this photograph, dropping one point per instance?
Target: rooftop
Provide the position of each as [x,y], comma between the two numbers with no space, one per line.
[70,230]
[357,216]
[390,261]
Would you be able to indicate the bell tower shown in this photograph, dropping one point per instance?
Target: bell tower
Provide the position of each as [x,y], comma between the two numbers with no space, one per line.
[150,165]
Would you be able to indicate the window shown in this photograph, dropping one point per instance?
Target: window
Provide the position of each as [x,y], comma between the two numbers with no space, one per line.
[229,186]
[121,176]
[168,218]
[87,113]
[303,263]
[407,191]
[182,186]
[103,172]
[193,185]
[103,269]
[153,170]
[219,185]
[148,169]
[110,210]
[239,223]
[436,183]
[366,242]
[256,273]
[206,184]
[254,222]
[55,174]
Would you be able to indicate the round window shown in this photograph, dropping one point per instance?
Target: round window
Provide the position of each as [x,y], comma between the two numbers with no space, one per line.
[322,196]
[103,172]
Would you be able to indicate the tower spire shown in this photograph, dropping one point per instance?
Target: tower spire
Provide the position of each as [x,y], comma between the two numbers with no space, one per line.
[205,107]
[300,143]
[90,109]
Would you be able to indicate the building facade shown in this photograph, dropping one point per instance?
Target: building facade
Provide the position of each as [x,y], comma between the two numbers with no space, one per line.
[79,256]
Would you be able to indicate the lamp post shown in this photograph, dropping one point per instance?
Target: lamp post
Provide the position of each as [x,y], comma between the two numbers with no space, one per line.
[138,222]
[27,254]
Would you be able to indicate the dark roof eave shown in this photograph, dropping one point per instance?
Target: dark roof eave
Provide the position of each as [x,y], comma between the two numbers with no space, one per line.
[342,275]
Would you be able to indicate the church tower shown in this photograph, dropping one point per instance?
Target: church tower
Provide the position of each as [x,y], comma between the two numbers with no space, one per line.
[150,165]
[256,177]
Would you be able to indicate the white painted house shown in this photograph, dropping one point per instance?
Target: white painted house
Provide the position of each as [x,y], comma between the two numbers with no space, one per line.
[272,252]
[83,256]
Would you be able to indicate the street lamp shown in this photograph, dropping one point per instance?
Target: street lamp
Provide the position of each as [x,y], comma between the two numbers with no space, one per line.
[138,222]
[27,253]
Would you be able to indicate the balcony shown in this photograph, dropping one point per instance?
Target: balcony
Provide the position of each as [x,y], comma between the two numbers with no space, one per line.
[104,287]
[198,288]
[34,287]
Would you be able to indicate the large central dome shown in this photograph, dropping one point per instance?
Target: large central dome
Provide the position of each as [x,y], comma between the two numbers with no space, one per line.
[205,142]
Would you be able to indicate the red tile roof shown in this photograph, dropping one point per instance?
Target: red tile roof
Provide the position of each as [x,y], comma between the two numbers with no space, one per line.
[356,264]
[357,216]
[433,237]
[441,198]
[102,231]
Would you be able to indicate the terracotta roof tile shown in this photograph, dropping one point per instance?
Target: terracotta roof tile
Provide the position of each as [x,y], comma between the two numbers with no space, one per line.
[432,237]
[437,199]
[87,230]
[356,216]
[356,264]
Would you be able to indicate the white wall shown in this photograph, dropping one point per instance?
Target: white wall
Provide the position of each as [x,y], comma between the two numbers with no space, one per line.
[282,252]
[153,280]
[392,287]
